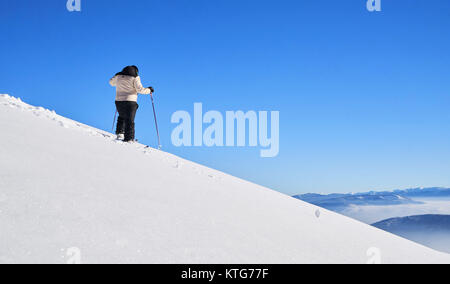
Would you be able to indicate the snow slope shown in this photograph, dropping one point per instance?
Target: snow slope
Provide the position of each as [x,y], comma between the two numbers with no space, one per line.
[64,191]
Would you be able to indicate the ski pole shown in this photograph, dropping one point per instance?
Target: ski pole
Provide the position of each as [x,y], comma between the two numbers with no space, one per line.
[114,121]
[156,122]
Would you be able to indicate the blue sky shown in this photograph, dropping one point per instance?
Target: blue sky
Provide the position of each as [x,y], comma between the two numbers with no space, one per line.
[363,97]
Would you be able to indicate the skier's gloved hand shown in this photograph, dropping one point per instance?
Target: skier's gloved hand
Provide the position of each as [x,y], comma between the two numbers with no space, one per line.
[151,89]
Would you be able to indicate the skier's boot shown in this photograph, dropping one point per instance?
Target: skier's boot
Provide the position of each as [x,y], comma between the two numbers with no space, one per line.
[120,136]
[129,132]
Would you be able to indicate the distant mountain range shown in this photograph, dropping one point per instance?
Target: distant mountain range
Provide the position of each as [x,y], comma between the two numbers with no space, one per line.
[430,230]
[337,202]
[424,192]
[421,223]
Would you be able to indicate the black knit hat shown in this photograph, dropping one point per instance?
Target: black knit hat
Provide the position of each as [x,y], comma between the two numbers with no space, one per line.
[132,71]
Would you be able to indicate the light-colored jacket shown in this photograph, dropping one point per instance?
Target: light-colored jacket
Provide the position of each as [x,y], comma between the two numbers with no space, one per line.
[128,87]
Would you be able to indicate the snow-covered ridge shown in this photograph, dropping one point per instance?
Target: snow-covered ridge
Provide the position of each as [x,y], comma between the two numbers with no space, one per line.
[51,115]
[17,103]
[69,191]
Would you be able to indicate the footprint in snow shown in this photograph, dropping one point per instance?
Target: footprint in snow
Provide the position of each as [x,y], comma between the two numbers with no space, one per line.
[177,165]
[62,124]
[318,213]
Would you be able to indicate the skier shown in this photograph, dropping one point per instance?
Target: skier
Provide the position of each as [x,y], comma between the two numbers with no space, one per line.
[128,86]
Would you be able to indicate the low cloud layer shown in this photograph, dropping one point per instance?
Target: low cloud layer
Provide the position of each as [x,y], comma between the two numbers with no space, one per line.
[373,214]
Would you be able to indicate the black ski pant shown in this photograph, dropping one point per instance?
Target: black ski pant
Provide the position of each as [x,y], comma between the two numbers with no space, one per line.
[125,123]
